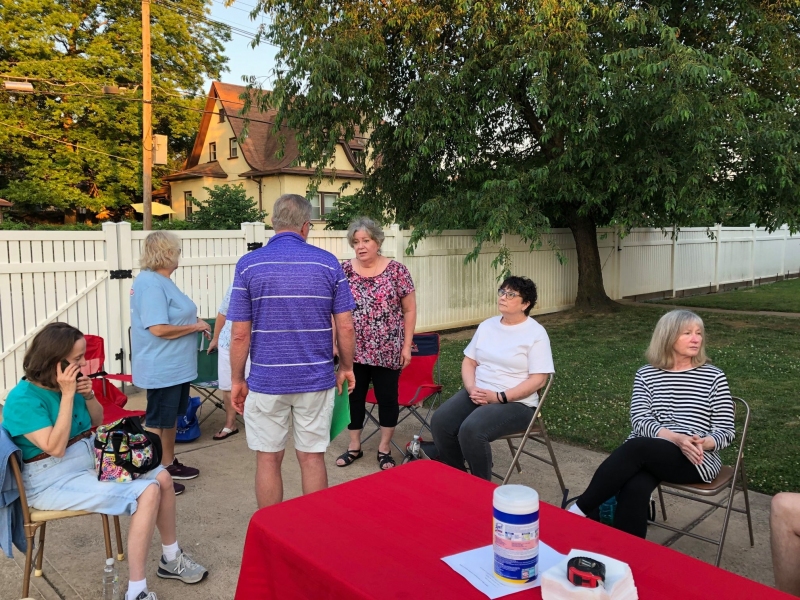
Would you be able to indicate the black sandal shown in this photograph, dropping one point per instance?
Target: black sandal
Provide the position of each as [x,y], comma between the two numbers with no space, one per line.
[384,459]
[349,457]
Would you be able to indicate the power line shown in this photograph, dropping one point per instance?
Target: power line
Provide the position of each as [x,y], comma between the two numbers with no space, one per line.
[236,29]
[47,137]
[85,148]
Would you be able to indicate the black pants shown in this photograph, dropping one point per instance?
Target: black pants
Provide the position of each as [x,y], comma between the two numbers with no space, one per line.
[631,473]
[384,382]
[464,430]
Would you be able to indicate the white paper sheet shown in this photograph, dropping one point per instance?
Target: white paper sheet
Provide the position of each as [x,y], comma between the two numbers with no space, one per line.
[477,567]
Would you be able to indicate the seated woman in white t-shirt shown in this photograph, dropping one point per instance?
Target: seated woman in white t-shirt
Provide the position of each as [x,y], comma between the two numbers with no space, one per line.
[504,366]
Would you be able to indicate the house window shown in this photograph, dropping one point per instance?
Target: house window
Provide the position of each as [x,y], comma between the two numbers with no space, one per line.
[212,152]
[187,200]
[233,146]
[221,115]
[323,204]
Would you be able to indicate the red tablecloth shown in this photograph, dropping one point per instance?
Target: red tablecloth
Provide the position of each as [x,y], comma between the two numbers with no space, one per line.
[383,537]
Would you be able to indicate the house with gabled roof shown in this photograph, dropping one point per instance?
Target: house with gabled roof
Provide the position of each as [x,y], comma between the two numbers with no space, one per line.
[223,155]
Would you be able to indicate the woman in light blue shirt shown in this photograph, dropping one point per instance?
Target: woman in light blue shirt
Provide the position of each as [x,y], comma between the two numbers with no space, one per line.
[164,327]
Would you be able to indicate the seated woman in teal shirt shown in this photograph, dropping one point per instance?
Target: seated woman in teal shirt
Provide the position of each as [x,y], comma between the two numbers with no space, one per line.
[50,415]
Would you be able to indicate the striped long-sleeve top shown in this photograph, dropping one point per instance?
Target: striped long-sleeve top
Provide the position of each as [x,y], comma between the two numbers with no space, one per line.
[693,402]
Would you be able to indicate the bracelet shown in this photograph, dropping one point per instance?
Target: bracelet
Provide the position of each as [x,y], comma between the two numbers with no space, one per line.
[497,397]
[504,399]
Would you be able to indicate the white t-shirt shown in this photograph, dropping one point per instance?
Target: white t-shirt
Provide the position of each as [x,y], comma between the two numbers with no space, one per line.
[508,354]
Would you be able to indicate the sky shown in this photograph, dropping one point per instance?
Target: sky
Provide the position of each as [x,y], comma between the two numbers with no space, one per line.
[242,59]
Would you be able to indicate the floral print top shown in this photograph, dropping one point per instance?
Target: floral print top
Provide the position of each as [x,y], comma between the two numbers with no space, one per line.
[378,317]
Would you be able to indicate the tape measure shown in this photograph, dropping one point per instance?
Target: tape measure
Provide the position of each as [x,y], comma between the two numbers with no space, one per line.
[586,572]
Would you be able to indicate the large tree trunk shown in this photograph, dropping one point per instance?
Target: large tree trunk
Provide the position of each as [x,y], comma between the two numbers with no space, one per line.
[592,295]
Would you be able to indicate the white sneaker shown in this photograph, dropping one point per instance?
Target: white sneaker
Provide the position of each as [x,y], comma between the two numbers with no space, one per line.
[144,596]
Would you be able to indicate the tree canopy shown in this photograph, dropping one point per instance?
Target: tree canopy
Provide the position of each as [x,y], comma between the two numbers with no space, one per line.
[512,117]
[57,140]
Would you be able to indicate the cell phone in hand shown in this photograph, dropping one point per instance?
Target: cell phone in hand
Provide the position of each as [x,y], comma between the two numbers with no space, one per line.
[65,364]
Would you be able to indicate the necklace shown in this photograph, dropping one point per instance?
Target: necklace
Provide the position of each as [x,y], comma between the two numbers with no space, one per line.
[372,271]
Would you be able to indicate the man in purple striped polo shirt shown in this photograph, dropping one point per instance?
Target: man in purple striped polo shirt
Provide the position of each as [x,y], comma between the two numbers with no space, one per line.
[285,297]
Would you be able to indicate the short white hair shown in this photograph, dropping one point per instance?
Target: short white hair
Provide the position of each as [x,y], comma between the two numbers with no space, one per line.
[290,211]
[373,230]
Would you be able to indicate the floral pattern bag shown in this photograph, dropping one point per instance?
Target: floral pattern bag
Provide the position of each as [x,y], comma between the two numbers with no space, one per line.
[124,450]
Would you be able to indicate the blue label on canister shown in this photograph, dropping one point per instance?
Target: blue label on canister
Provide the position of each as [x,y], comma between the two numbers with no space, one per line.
[516,546]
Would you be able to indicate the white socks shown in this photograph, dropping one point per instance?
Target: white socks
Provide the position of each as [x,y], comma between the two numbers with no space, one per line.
[575,510]
[135,588]
[171,551]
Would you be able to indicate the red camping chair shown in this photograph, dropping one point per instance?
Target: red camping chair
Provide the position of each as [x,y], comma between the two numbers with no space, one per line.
[416,385]
[107,393]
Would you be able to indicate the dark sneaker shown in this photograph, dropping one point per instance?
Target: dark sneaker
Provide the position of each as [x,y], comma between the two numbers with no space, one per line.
[179,488]
[183,568]
[181,471]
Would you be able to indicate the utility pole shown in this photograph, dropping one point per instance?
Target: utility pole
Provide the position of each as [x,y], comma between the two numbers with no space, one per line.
[147,121]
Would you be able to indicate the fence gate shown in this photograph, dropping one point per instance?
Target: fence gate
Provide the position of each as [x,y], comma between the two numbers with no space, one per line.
[48,276]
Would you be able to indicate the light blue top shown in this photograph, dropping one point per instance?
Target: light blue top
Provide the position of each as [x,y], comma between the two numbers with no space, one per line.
[224,340]
[156,362]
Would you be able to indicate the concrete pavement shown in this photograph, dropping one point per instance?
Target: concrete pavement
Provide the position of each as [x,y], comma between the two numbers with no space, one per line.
[214,512]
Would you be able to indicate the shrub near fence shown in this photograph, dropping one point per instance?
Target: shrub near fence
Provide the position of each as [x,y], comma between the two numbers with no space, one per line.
[85,277]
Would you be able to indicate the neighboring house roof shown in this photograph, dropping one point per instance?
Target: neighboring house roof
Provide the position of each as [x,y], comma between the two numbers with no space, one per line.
[5,203]
[209,169]
[261,145]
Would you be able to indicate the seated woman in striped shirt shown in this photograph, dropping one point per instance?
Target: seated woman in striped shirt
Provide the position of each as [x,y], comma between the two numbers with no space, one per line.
[681,416]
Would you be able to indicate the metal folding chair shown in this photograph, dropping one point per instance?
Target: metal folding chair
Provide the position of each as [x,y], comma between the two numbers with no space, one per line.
[207,382]
[37,520]
[535,432]
[729,478]
[417,384]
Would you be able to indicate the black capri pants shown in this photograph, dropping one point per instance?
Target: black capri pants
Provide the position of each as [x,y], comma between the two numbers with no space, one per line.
[384,382]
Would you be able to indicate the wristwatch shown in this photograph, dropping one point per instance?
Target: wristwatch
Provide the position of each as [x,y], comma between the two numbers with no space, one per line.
[503,398]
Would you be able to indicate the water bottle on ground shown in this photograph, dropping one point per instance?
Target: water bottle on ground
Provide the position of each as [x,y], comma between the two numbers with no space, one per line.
[110,580]
[413,447]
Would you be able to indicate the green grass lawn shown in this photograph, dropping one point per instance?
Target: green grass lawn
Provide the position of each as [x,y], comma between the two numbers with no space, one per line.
[783,296]
[596,357]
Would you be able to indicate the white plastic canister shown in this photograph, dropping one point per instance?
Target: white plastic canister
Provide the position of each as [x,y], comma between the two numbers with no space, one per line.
[516,533]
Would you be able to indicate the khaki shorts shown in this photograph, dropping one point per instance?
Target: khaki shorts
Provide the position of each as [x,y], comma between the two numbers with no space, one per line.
[266,417]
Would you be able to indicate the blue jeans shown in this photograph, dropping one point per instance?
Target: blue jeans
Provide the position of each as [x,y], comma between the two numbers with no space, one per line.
[463,430]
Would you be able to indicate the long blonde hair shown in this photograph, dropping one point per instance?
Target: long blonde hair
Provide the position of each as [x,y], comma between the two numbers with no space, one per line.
[160,251]
[666,333]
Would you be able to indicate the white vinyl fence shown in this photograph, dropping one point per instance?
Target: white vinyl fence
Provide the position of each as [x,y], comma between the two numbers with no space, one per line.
[84,278]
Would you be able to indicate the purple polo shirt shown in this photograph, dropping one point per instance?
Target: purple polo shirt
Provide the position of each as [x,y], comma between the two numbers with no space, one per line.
[288,290]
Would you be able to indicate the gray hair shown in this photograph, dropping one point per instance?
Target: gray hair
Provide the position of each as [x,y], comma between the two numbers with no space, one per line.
[161,250]
[291,212]
[666,333]
[373,230]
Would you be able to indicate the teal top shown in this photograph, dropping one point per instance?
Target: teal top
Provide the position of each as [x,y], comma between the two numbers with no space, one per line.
[29,408]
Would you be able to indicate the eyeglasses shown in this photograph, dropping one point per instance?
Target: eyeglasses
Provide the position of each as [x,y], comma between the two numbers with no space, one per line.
[310,225]
[507,293]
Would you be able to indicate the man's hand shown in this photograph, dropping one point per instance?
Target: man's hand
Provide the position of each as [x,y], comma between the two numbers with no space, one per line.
[342,376]
[239,393]
[212,345]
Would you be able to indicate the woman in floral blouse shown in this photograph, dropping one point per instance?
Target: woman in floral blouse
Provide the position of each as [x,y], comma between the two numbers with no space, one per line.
[384,319]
